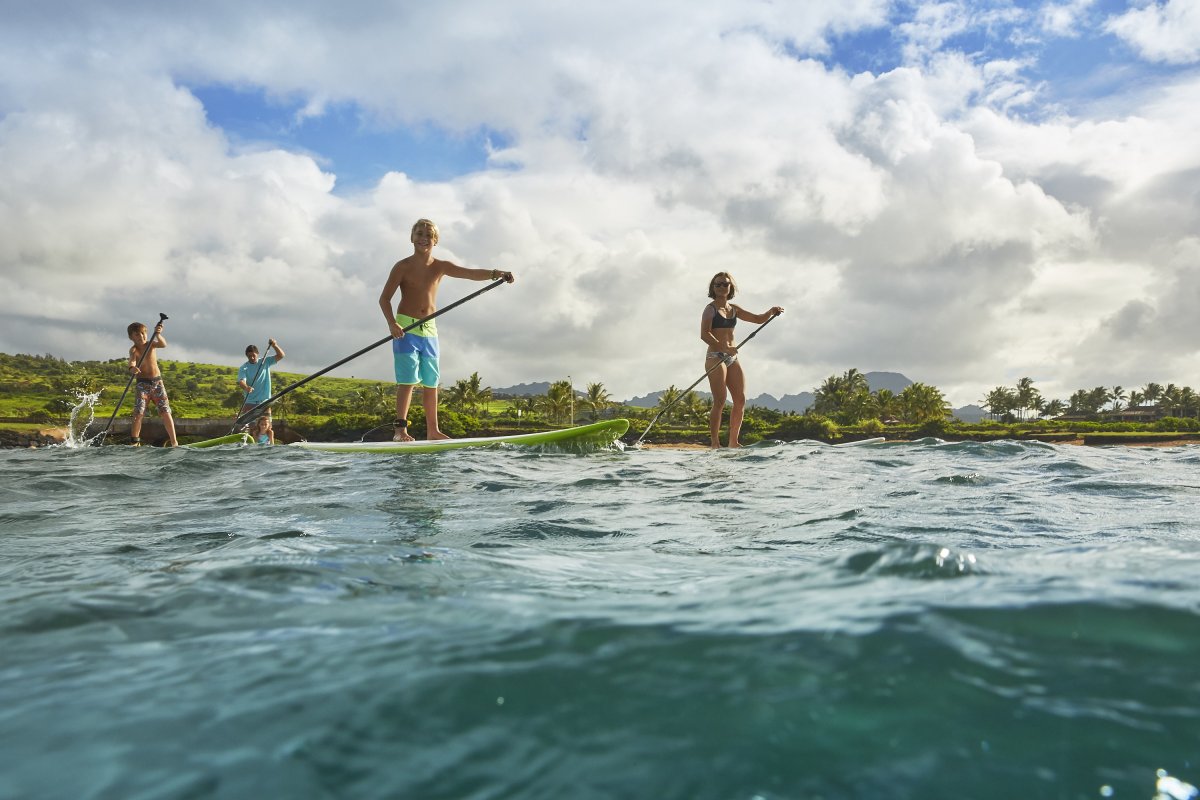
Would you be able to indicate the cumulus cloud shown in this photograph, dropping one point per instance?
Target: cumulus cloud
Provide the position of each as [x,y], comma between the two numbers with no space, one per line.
[1064,19]
[1168,32]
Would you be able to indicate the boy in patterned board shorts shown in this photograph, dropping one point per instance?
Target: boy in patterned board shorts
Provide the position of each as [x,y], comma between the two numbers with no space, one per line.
[149,381]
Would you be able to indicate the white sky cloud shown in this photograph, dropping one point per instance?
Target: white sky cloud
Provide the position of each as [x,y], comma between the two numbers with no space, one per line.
[1063,19]
[1167,31]
[929,219]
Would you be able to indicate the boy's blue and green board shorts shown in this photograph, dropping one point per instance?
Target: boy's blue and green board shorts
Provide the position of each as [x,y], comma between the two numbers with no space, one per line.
[416,354]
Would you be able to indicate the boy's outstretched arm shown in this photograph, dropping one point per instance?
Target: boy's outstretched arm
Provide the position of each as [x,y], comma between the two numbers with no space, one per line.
[455,271]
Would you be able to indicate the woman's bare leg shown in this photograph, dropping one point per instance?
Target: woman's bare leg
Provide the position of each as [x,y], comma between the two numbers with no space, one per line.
[716,385]
[735,380]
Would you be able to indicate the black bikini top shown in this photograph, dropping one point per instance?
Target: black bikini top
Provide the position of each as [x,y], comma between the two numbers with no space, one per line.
[723,322]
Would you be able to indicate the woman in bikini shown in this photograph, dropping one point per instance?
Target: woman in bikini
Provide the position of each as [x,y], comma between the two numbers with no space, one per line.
[725,374]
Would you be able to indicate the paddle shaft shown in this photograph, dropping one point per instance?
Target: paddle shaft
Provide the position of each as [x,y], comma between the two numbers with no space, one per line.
[683,394]
[250,412]
[161,319]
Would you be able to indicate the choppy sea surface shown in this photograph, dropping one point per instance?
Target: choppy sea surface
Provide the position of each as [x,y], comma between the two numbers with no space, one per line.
[917,620]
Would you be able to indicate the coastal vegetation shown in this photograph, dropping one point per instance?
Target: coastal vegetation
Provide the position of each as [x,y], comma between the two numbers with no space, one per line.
[42,390]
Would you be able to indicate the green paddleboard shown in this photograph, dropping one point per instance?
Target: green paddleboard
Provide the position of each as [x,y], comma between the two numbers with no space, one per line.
[596,434]
[233,438]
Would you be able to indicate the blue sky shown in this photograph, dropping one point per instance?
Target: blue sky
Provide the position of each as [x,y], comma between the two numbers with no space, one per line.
[965,192]
[358,150]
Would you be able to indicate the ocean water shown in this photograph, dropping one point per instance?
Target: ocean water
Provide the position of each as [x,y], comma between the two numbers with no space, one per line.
[909,620]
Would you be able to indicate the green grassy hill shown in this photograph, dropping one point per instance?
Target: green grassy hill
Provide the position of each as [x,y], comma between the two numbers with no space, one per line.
[37,386]
[43,389]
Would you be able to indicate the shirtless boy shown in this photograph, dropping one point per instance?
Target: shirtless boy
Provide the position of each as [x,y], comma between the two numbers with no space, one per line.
[149,380]
[416,353]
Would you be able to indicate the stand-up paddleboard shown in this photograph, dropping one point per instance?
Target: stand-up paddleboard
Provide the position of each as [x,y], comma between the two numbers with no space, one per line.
[860,442]
[596,434]
[233,438]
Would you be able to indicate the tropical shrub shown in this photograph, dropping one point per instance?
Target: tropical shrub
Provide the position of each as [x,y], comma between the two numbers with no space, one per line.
[341,426]
[807,426]
[872,427]
[936,428]
[1177,424]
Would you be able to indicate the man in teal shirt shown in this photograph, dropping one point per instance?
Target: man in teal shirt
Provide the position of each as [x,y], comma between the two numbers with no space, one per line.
[254,378]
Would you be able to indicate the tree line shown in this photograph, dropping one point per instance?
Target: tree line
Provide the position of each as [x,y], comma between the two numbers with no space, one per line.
[1024,401]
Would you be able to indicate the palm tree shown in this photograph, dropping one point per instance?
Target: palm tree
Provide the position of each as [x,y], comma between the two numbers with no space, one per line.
[695,407]
[1088,402]
[699,407]
[373,400]
[1000,401]
[1152,393]
[597,399]
[1078,402]
[884,403]
[1189,402]
[825,399]
[283,406]
[847,397]
[1117,396]
[1027,396]
[1054,408]
[558,401]
[455,395]
[669,399]
[921,403]
[1038,403]
[1170,400]
[528,405]
[476,393]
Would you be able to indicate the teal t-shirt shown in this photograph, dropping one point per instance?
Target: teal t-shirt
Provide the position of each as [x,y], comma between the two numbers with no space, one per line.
[260,389]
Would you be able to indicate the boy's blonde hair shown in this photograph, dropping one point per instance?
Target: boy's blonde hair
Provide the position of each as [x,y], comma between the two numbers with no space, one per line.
[425,223]
[726,276]
[135,327]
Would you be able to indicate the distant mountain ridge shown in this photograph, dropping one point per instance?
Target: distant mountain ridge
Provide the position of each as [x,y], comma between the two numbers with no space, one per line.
[794,403]
[523,389]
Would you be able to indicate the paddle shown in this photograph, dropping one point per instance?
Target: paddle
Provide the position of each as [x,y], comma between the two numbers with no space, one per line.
[250,412]
[682,394]
[99,438]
